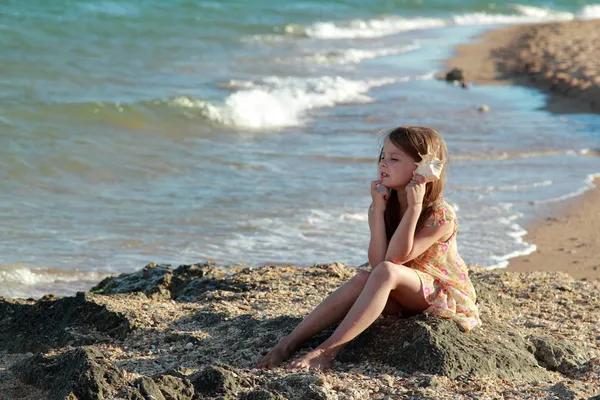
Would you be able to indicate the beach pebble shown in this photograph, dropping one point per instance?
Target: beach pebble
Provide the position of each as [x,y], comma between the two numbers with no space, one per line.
[483,108]
[455,75]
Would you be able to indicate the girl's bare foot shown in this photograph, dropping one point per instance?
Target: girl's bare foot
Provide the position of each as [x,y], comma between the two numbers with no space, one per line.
[316,359]
[276,356]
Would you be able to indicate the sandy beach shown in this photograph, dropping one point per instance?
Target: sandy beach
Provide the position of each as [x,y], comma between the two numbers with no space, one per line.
[561,60]
[558,58]
[197,331]
[567,239]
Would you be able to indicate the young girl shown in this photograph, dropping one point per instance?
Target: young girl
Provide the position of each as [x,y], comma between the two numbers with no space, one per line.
[415,264]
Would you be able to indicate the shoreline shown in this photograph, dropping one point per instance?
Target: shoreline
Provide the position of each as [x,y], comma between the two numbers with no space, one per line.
[566,232]
[567,235]
[557,58]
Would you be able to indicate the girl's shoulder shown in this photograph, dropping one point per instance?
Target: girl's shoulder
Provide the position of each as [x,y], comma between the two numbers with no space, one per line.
[443,213]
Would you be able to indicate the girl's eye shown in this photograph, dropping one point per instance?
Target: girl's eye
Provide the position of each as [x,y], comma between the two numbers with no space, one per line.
[394,159]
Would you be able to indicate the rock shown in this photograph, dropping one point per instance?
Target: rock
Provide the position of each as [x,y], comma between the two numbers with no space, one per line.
[431,381]
[562,391]
[303,386]
[40,326]
[82,373]
[131,394]
[174,388]
[252,333]
[214,380]
[483,108]
[179,372]
[149,389]
[159,281]
[180,337]
[154,280]
[455,74]
[260,394]
[558,355]
[437,346]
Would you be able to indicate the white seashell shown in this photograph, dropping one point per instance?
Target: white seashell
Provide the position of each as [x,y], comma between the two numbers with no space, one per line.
[430,167]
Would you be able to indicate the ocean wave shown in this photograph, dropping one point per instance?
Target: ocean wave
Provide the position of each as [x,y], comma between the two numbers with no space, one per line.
[362,29]
[118,9]
[527,14]
[17,274]
[588,184]
[346,56]
[591,11]
[521,155]
[392,25]
[278,102]
[504,188]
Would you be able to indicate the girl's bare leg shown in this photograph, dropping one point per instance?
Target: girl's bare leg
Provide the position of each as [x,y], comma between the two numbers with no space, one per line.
[330,311]
[368,306]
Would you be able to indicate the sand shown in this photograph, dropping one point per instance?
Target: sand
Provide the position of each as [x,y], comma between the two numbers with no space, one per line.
[566,241]
[558,58]
[561,60]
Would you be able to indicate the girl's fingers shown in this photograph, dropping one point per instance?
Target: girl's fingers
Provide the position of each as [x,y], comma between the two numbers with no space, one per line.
[418,177]
[375,183]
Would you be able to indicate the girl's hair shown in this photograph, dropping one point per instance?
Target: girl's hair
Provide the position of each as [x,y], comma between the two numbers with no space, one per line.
[414,140]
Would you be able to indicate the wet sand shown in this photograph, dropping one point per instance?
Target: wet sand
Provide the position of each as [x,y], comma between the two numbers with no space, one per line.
[561,60]
[567,238]
[558,58]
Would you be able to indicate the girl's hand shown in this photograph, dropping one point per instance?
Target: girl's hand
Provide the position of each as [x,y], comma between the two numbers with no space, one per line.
[415,190]
[380,195]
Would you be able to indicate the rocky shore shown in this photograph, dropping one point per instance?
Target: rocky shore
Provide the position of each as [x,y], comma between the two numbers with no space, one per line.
[560,58]
[196,332]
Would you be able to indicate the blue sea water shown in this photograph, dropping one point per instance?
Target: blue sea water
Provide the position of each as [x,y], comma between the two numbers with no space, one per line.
[246,132]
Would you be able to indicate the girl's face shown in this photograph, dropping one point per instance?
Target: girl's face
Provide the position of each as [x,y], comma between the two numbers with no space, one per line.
[395,166]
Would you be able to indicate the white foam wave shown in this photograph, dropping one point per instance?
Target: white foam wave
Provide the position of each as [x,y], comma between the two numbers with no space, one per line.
[347,56]
[515,231]
[589,184]
[542,13]
[392,25]
[281,101]
[503,261]
[505,188]
[515,156]
[363,29]
[591,11]
[321,219]
[528,15]
[20,274]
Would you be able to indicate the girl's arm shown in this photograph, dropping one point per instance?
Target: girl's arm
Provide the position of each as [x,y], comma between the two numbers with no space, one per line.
[378,244]
[405,245]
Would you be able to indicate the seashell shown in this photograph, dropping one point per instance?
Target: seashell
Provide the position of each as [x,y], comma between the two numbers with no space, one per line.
[430,167]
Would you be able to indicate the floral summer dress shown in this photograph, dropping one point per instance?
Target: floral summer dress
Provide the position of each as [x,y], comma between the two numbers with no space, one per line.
[445,276]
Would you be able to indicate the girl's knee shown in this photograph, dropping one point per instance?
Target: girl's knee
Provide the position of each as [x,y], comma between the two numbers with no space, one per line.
[387,271]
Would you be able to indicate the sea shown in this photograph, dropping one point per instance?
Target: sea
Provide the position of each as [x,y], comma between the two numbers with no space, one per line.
[247,132]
